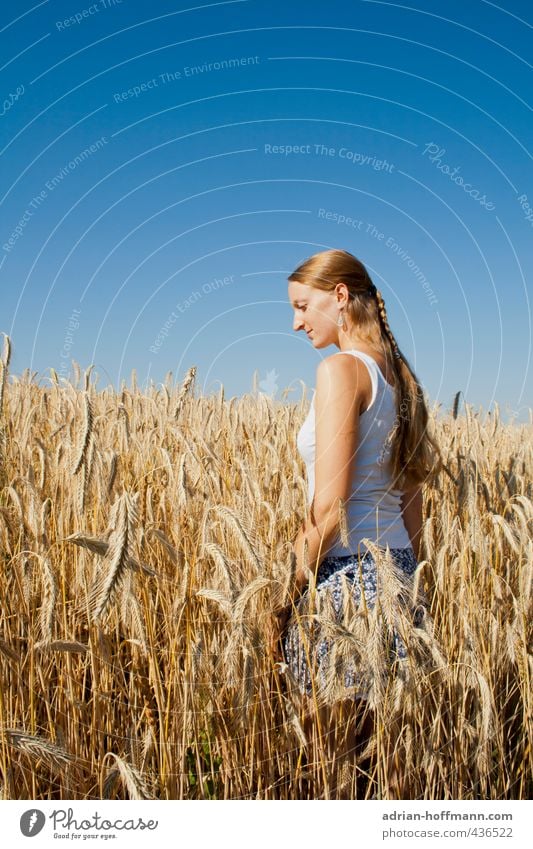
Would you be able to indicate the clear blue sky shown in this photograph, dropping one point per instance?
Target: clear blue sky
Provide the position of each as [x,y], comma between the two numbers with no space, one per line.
[165,166]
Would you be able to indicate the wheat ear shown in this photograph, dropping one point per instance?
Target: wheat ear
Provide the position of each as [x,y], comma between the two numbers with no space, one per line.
[117,558]
[49,601]
[38,747]
[185,386]
[101,546]
[132,778]
[87,430]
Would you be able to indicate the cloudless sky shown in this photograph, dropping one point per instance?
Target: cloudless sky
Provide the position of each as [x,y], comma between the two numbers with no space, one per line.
[166,166]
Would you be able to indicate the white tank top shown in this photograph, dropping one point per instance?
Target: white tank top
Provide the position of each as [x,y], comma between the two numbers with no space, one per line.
[373,509]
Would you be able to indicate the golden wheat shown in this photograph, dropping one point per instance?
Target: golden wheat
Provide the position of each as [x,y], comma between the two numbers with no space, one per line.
[133,780]
[138,599]
[118,557]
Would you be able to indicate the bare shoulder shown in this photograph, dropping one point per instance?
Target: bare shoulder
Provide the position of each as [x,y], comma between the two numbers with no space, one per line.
[338,365]
[343,377]
[339,370]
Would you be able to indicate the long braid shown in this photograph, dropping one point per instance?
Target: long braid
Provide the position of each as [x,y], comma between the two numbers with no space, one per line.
[402,398]
[411,404]
[385,324]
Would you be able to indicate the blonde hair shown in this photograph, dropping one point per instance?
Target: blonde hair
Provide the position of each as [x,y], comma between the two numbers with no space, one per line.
[415,455]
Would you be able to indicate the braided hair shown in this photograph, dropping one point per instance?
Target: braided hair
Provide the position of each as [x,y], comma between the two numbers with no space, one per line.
[385,324]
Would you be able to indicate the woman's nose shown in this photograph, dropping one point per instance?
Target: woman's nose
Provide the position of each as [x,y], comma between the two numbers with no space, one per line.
[297,324]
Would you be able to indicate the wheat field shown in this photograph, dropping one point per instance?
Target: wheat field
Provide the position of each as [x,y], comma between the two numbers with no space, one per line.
[146,541]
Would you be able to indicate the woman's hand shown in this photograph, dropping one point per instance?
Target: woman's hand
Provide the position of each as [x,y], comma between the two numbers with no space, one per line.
[281,618]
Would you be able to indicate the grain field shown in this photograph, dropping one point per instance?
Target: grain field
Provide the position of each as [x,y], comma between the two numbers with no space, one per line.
[145,541]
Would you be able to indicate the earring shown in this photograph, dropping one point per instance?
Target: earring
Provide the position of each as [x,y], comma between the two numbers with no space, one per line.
[340,320]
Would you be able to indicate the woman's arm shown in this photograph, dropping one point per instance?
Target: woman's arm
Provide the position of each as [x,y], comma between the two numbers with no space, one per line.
[411,503]
[320,531]
[337,408]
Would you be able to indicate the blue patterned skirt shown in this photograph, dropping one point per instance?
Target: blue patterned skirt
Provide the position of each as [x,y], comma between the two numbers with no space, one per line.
[358,570]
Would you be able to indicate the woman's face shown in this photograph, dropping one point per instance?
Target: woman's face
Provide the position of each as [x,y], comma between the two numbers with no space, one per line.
[315,312]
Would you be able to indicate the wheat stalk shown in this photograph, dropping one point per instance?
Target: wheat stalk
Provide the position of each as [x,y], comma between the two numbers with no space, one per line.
[134,782]
[243,534]
[39,748]
[9,652]
[73,647]
[101,547]
[117,558]
[3,376]
[86,434]
[6,353]
[185,387]
[49,601]
[222,600]
[244,597]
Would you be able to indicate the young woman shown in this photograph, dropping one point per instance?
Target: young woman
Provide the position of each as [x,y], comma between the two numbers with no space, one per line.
[364,441]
